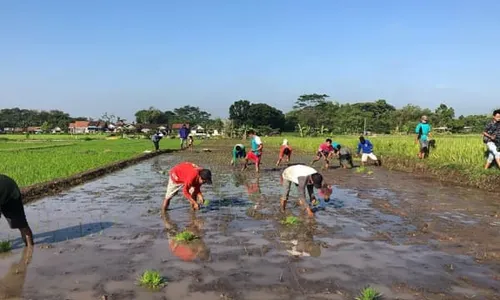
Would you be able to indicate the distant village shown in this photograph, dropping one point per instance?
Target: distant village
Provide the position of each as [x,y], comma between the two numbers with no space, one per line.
[100,127]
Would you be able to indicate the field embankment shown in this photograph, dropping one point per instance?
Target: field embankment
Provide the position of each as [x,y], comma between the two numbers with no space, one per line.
[456,159]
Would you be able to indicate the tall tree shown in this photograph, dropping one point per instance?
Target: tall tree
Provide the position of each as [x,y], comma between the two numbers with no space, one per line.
[238,112]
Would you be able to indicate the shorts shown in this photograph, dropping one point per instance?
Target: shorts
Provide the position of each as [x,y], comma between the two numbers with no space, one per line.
[345,159]
[320,153]
[13,211]
[365,156]
[174,188]
[424,144]
[241,154]
[254,157]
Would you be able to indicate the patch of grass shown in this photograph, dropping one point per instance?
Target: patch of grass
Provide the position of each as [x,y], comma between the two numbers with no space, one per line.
[5,246]
[290,221]
[31,166]
[369,293]
[185,236]
[151,279]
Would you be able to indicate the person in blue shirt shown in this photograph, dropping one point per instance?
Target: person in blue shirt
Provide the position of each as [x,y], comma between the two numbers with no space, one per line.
[183,134]
[255,154]
[367,147]
[423,131]
[344,155]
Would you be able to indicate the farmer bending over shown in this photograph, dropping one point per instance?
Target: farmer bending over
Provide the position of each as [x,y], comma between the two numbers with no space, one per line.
[256,153]
[285,150]
[11,206]
[344,155]
[156,140]
[325,151]
[191,178]
[238,152]
[304,178]
[367,147]
[423,131]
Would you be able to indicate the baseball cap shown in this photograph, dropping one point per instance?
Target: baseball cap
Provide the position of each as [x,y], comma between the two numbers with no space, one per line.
[317,180]
[206,175]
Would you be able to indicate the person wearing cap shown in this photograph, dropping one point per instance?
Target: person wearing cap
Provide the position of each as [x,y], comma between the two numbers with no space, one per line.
[11,207]
[190,178]
[238,152]
[344,155]
[285,150]
[304,177]
[325,151]
[423,131]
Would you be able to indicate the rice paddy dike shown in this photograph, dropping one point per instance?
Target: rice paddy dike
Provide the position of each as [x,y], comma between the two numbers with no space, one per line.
[405,235]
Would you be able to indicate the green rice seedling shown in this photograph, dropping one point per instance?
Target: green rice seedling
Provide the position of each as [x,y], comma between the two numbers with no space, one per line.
[369,293]
[5,246]
[360,169]
[185,236]
[290,221]
[151,279]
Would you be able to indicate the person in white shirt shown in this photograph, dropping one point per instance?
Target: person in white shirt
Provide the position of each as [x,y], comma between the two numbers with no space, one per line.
[304,177]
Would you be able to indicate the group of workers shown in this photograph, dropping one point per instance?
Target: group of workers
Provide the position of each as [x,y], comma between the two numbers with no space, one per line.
[190,177]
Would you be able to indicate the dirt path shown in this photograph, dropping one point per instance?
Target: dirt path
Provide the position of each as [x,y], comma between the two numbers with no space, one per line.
[410,238]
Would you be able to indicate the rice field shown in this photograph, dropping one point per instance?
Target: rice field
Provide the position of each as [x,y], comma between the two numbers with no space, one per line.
[462,152]
[35,162]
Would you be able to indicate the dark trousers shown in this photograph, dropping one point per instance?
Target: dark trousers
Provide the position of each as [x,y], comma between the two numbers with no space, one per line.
[157,145]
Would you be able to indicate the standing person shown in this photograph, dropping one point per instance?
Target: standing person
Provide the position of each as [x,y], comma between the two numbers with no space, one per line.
[423,131]
[367,147]
[11,206]
[285,150]
[325,151]
[156,140]
[304,177]
[256,152]
[190,177]
[183,134]
[491,138]
[238,152]
[344,155]
[190,142]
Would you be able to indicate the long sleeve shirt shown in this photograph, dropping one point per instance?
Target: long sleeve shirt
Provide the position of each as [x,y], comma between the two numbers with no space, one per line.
[235,152]
[186,173]
[366,147]
[183,133]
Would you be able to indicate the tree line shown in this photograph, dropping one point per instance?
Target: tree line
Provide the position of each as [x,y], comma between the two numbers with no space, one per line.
[312,114]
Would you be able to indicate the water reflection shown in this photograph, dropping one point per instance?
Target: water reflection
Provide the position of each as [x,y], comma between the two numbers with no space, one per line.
[11,285]
[187,251]
[299,238]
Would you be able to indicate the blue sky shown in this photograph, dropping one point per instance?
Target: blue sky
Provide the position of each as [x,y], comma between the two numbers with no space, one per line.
[94,56]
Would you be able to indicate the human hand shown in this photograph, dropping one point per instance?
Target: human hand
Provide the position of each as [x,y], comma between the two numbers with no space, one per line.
[195,206]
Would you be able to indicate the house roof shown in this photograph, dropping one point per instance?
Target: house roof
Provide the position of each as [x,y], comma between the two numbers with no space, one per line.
[79,124]
[97,123]
[33,128]
[179,125]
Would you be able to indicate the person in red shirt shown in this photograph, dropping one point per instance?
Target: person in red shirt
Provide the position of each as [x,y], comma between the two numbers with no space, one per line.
[285,150]
[325,151]
[190,178]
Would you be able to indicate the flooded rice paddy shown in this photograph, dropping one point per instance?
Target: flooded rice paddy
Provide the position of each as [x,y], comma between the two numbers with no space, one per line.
[408,237]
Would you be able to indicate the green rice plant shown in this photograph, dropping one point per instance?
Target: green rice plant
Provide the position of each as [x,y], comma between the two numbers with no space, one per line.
[68,159]
[369,293]
[151,279]
[5,246]
[290,221]
[185,236]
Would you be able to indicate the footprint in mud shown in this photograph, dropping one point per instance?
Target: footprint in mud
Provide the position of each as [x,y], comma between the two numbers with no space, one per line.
[224,202]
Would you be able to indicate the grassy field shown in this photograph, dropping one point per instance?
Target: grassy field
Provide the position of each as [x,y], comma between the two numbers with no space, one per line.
[458,152]
[34,162]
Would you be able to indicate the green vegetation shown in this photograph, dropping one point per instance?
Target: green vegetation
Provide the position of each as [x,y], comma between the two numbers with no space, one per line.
[369,293]
[290,221]
[5,246]
[185,236]
[35,162]
[151,279]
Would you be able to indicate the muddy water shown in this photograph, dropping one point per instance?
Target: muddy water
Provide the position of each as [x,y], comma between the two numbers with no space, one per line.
[97,238]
